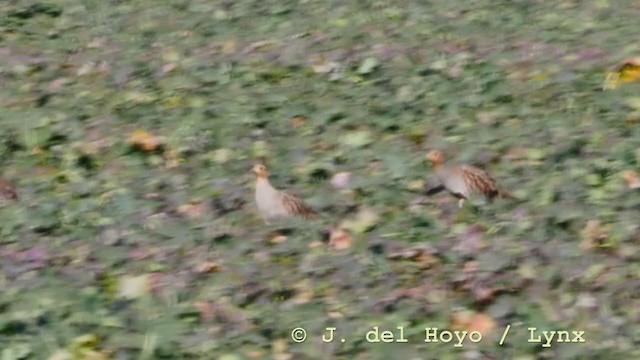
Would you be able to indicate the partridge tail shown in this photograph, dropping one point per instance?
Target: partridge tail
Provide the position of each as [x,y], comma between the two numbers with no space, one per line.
[298,207]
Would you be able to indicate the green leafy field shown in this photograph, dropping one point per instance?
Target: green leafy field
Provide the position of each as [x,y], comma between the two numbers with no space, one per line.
[117,253]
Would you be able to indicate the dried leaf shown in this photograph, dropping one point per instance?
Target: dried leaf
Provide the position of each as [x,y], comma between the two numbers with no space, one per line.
[61,355]
[417,185]
[364,220]
[206,267]
[631,178]
[471,240]
[133,287]
[170,158]
[304,292]
[321,65]
[368,66]
[592,235]
[298,121]
[482,323]
[340,239]
[229,47]
[425,255]
[191,210]
[279,350]
[206,310]
[144,140]
[276,238]
[341,180]
[470,321]
[628,71]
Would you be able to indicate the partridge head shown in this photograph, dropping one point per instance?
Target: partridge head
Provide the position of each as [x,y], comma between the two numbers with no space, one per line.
[464,181]
[273,203]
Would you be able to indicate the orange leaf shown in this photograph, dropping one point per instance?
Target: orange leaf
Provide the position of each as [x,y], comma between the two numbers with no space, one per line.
[191,210]
[481,323]
[298,121]
[472,321]
[340,239]
[631,178]
[144,140]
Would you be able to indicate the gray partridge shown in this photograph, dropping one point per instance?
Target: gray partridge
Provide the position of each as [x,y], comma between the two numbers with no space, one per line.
[273,203]
[464,181]
[7,190]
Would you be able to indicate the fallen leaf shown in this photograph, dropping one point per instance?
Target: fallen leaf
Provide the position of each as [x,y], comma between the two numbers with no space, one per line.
[335,315]
[340,239]
[61,355]
[304,292]
[276,238]
[229,47]
[425,255]
[368,66]
[471,321]
[471,240]
[483,293]
[517,153]
[206,267]
[279,350]
[321,65]
[223,155]
[297,121]
[170,158]
[191,210]
[363,221]
[57,84]
[592,235]
[481,323]
[144,140]
[206,310]
[257,46]
[168,67]
[133,287]
[628,71]
[341,180]
[97,42]
[357,138]
[631,178]
[416,185]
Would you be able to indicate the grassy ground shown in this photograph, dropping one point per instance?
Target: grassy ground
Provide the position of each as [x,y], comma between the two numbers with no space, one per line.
[113,253]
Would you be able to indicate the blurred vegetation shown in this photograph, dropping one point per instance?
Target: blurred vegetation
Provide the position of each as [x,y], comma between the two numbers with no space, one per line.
[129,127]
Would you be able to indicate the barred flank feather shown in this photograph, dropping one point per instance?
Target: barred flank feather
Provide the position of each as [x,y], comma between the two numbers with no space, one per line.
[295,206]
[479,181]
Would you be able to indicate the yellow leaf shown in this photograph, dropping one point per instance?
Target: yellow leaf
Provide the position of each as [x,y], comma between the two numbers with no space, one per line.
[171,158]
[144,140]
[628,71]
